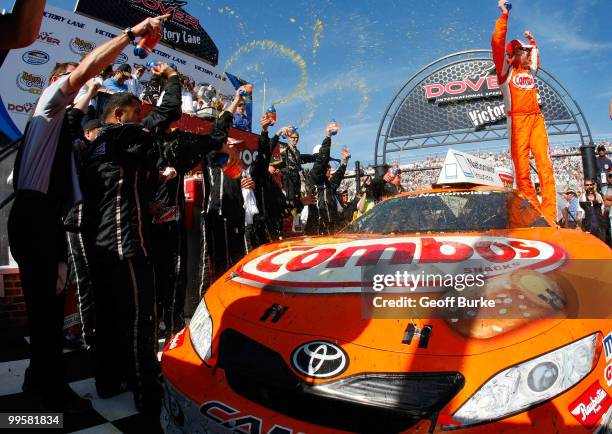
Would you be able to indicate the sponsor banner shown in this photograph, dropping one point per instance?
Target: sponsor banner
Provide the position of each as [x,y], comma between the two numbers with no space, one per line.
[462,90]
[66,37]
[591,405]
[35,57]
[181,31]
[31,83]
[462,168]
[344,267]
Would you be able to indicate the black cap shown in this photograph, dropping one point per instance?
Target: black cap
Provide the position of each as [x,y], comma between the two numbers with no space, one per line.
[601,148]
[125,69]
[92,124]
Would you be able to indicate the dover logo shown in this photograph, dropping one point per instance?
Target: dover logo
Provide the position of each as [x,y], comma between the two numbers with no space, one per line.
[524,81]
[48,38]
[339,267]
[80,46]
[30,83]
[589,408]
[172,7]
[35,57]
[22,109]
[121,59]
[319,359]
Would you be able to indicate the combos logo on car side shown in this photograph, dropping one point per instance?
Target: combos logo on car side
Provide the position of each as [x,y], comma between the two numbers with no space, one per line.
[31,83]
[81,46]
[35,57]
[339,267]
[591,405]
[319,359]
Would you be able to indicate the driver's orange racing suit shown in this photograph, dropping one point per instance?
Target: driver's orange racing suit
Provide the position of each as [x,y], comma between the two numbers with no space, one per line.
[526,128]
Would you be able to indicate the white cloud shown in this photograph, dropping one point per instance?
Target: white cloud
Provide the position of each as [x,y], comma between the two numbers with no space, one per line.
[562,26]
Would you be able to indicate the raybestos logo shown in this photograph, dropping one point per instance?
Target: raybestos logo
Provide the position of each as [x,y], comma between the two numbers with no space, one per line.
[80,46]
[35,57]
[30,83]
[591,405]
[340,267]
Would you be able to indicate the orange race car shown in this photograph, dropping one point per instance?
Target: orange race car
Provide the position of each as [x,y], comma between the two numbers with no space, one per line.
[445,309]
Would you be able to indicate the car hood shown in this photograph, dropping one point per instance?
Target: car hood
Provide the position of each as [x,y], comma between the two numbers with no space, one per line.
[322,287]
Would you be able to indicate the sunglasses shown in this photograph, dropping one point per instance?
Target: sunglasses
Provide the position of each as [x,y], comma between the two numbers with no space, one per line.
[588,185]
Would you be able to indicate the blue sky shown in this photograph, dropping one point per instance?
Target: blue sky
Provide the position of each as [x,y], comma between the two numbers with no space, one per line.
[357,54]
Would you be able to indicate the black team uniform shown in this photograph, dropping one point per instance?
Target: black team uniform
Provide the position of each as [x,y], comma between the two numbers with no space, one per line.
[327,203]
[272,203]
[222,239]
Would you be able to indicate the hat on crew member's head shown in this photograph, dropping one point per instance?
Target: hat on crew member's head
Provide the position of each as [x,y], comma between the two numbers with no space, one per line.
[92,124]
[125,69]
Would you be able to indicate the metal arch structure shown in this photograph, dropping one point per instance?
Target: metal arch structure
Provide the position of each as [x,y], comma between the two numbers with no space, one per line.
[411,121]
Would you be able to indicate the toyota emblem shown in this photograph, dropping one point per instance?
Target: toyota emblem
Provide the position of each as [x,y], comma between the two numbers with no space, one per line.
[319,359]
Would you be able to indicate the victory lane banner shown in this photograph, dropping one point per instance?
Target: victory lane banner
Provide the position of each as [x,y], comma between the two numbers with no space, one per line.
[182,31]
[65,36]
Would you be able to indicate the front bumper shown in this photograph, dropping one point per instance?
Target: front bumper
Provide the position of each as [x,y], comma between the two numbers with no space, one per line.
[200,398]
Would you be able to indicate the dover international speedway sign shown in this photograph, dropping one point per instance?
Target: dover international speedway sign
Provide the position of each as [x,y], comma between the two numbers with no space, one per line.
[65,36]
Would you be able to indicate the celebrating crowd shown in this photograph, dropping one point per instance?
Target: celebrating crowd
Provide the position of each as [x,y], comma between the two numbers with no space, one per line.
[99,186]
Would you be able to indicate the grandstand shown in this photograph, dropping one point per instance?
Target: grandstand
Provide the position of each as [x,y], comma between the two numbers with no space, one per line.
[422,171]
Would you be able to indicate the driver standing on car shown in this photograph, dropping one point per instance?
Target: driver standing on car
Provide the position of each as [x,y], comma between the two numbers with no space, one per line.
[526,128]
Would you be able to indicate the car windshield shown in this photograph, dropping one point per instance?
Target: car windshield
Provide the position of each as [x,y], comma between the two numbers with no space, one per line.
[452,211]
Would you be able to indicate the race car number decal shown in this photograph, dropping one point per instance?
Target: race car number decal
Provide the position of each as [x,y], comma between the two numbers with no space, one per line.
[343,267]
[231,418]
[591,405]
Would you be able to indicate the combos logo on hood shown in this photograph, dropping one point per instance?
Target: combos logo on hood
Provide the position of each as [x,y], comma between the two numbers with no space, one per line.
[30,83]
[80,46]
[344,267]
[35,57]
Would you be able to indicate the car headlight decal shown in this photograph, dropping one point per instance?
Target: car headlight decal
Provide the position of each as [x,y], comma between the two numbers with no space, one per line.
[526,384]
[200,331]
